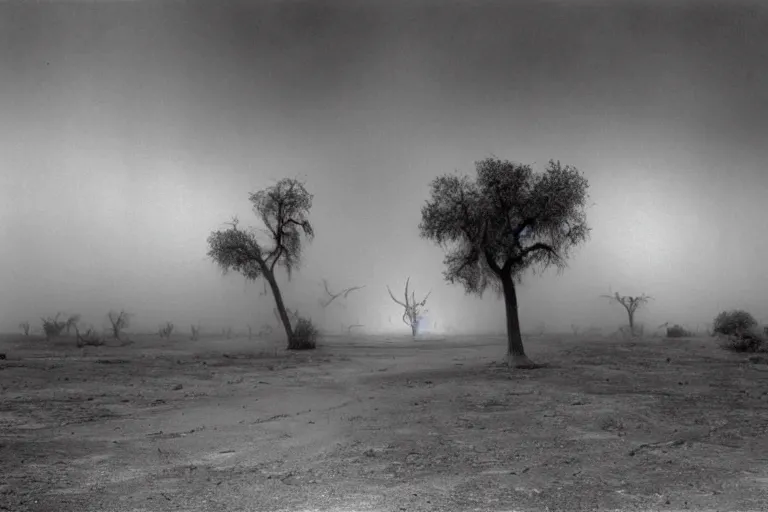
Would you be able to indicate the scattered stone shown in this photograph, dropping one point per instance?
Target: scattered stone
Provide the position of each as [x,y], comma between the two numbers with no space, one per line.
[178,387]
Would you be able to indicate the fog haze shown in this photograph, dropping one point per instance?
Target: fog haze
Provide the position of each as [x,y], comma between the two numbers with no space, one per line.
[130,131]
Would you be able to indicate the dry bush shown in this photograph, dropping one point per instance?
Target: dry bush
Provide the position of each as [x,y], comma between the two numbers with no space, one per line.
[52,327]
[195,333]
[24,326]
[89,338]
[165,331]
[677,331]
[304,335]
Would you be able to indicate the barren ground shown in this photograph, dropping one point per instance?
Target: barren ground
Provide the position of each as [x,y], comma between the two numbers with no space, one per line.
[377,424]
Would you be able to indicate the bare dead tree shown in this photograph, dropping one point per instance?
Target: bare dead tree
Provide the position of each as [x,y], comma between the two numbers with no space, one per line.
[195,332]
[333,296]
[631,304]
[227,332]
[24,326]
[412,310]
[119,322]
[575,328]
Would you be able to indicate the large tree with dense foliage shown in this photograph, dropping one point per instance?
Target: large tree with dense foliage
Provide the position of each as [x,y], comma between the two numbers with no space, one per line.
[283,208]
[505,221]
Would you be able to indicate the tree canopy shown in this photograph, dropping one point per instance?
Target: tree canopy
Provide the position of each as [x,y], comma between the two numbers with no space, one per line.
[507,220]
[283,208]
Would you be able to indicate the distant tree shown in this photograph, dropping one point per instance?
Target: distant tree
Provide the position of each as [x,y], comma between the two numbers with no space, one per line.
[165,331]
[507,220]
[283,208]
[52,327]
[631,304]
[25,328]
[412,309]
[118,321]
[71,322]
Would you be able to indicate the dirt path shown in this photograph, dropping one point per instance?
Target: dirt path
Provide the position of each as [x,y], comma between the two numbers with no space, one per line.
[382,426]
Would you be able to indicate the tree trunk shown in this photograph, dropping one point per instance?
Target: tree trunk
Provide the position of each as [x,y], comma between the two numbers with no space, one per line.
[516,357]
[270,277]
[415,328]
[631,323]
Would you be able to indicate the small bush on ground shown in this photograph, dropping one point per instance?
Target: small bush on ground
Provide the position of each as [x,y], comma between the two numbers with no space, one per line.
[733,322]
[88,338]
[743,341]
[304,336]
[677,331]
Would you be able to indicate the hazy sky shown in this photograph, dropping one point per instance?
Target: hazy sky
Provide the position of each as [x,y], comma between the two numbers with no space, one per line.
[131,130]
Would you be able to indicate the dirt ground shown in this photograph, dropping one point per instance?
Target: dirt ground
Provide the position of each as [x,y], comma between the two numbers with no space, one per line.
[377,424]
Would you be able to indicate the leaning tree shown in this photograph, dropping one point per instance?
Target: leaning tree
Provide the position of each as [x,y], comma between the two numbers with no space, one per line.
[509,219]
[283,208]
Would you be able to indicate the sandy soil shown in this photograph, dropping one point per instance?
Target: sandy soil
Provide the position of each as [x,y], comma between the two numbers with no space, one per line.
[376,424]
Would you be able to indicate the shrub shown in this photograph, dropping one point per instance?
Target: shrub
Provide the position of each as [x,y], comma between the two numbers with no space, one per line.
[195,333]
[165,332]
[24,326]
[52,327]
[677,331]
[304,336]
[88,338]
[743,341]
[733,322]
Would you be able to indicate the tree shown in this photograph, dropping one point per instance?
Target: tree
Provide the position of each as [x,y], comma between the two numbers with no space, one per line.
[631,304]
[333,296]
[412,310]
[509,219]
[119,321]
[283,208]
[71,322]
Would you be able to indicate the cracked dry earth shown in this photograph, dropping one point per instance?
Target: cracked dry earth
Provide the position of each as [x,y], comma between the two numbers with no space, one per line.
[376,424]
